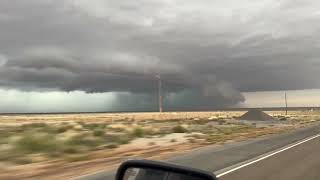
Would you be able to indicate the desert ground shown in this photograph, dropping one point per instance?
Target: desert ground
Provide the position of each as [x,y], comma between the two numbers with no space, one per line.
[65,146]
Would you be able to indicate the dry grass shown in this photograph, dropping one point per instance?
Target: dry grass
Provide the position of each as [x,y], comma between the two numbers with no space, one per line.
[83,138]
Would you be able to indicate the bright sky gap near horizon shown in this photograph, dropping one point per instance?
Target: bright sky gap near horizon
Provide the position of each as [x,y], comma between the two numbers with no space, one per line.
[13,101]
[87,55]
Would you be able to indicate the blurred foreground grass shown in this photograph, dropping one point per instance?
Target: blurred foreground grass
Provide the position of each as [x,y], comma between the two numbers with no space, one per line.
[76,140]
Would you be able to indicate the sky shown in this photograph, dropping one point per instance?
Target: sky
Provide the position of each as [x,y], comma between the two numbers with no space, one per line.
[295,98]
[105,55]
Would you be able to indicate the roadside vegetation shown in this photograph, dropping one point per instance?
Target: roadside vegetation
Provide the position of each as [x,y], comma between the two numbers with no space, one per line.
[74,141]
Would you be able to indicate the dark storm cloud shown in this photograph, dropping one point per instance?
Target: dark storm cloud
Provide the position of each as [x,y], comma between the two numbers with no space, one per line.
[204,50]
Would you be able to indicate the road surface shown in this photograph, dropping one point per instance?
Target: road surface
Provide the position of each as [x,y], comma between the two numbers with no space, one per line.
[299,162]
[221,159]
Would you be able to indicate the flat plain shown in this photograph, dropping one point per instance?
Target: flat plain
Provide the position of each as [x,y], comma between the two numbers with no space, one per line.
[68,145]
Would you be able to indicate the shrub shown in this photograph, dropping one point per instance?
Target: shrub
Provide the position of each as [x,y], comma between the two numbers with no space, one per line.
[120,139]
[283,119]
[111,138]
[64,128]
[213,138]
[173,140]
[8,155]
[112,146]
[55,154]
[93,126]
[34,125]
[98,132]
[81,140]
[202,121]
[118,129]
[70,150]
[138,132]
[221,121]
[124,140]
[210,126]
[22,161]
[36,144]
[179,129]
[228,131]
[192,140]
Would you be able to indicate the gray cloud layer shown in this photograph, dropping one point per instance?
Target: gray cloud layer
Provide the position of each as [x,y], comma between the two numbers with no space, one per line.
[205,50]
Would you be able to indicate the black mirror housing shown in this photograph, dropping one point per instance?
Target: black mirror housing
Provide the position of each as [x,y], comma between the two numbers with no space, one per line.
[172,171]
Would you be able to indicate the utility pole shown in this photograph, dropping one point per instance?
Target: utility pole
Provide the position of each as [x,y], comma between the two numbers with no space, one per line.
[286,103]
[159,93]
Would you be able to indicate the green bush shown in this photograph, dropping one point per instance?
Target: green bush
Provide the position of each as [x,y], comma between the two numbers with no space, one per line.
[35,125]
[111,138]
[120,139]
[179,129]
[202,121]
[8,155]
[22,161]
[55,154]
[213,138]
[124,140]
[93,126]
[31,143]
[98,132]
[112,146]
[82,140]
[138,132]
[70,150]
[64,128]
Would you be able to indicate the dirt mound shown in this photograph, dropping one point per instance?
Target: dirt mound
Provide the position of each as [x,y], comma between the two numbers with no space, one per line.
[256,115]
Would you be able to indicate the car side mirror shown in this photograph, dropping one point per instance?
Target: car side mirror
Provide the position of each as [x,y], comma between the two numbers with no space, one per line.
[153,170]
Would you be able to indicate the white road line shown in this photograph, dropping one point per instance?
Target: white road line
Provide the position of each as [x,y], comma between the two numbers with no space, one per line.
[267,156]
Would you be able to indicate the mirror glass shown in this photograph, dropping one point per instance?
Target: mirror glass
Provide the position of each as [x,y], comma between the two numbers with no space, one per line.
[156,174]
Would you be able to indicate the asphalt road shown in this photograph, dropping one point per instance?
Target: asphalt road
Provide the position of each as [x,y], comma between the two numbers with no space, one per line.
[299,162]
[215,159]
